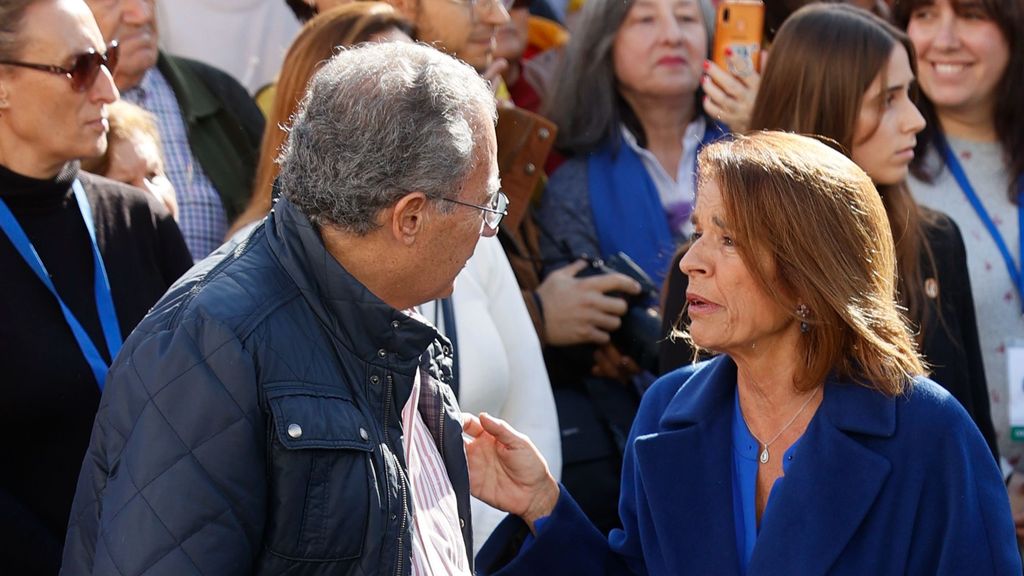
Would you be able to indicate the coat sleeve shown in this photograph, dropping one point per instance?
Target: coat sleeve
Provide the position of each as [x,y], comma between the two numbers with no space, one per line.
[963,523]
[567,543]
[173,481]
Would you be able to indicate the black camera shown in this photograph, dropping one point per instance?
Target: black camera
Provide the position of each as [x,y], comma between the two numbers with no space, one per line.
[640,331]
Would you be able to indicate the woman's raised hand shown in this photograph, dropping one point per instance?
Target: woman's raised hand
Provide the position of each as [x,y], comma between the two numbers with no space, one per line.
[506,470]
[727,98]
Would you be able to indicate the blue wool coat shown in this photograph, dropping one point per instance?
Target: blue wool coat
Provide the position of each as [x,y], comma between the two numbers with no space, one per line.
[900,485]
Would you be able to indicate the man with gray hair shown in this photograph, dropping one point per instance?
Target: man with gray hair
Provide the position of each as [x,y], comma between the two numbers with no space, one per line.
[281,410]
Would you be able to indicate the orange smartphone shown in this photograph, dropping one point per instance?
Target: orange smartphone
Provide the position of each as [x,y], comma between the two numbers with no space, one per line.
[739,30]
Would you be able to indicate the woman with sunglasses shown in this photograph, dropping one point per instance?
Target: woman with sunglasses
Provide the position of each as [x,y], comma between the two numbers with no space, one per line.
[82,259]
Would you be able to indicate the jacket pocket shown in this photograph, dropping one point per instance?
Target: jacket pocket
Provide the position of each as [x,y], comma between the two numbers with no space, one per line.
[321,486]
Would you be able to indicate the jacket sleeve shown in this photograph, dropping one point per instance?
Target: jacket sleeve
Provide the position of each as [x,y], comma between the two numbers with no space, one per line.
[963,523]
[564,218]
[173,481]
[567,543]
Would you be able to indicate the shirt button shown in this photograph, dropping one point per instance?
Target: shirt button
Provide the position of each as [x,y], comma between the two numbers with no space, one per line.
[374,379]
[294,430]
[447,350]
[530,168]
[462,523]
[382,352]
[363,434]
[544,133]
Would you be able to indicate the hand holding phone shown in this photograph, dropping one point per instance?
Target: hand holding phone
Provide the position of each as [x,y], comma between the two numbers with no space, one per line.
[739,30]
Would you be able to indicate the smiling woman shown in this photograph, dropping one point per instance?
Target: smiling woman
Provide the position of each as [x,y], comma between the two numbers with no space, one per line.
[970,162]
[83,259]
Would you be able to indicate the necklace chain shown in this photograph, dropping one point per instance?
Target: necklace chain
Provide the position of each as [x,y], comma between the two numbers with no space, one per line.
[764,451]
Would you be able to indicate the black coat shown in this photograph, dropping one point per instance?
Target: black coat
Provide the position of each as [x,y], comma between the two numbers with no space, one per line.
[49,392]
[252,424]
[950,344]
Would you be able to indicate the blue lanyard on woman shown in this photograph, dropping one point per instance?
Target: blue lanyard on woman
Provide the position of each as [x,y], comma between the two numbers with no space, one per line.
[961,178]
[101,286]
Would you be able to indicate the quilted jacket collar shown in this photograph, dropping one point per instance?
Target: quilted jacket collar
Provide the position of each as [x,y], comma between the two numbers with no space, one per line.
[363,323]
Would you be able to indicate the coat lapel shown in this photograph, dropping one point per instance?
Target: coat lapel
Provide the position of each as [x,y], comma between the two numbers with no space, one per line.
[828,490]
[686,472]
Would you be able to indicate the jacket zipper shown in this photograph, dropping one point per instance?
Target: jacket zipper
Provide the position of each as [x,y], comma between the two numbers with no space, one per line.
[388,400]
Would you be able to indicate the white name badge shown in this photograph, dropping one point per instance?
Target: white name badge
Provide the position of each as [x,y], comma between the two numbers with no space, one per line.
[1015,372]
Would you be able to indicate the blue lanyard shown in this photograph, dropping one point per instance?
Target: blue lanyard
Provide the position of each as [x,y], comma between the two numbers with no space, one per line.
[961,178]
[101,286]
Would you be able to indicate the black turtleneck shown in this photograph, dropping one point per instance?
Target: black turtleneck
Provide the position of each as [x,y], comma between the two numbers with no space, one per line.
[49,393]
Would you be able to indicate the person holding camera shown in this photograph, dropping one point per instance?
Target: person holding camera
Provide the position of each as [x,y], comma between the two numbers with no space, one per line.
[630,124]
[812,444]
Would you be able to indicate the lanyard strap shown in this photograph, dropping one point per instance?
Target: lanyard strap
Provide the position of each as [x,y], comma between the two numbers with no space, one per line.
[961,178]
[101,286]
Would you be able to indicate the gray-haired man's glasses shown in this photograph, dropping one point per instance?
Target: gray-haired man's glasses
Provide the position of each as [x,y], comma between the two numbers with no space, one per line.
[493,213]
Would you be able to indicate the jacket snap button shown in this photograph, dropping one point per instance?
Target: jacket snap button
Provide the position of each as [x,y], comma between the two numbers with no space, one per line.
[364,434]
[374,379]
[530,168]
[382,352]
[447,350]
[394,324]
[294,430]
[543,133]
[462,523]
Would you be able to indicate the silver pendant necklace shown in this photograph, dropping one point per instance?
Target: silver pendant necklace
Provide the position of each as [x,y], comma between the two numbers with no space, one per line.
[764,445]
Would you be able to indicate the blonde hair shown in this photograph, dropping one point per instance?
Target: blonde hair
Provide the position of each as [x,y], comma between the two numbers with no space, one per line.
[125,119]
[819,217]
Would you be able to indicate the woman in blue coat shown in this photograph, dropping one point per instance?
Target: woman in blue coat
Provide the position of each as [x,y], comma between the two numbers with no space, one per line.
[811,444]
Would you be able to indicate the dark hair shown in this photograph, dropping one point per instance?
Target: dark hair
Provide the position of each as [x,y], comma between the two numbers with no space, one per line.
[776,12]
[1008,15]
[825,58]
[586,103]
[302,10]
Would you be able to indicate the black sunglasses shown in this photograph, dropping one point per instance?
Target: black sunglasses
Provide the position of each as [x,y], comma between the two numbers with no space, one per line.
[84,70]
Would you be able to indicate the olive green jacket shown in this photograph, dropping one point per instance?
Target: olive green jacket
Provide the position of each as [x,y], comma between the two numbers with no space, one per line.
[224,126]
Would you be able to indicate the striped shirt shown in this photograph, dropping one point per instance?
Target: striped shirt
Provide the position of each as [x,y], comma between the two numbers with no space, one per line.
[437,544]
[201,214]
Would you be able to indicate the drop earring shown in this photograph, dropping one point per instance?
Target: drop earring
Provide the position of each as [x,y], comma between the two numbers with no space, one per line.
[803,314]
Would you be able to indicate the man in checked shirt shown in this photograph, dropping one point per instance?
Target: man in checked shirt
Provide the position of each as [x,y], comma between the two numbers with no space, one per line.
[210,128]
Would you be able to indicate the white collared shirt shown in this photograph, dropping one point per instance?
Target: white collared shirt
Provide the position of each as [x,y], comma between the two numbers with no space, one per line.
[678,193]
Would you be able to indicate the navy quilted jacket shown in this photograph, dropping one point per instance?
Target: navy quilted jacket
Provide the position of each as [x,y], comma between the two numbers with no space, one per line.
[251,424]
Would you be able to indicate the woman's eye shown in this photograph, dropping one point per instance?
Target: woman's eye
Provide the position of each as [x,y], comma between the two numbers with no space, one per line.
[922,14]
[695,236]
[727,240]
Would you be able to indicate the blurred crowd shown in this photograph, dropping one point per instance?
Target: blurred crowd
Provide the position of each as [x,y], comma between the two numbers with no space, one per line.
[142,138]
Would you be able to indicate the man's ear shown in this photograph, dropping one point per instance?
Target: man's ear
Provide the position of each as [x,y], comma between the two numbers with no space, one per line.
[408,217]
[4,104]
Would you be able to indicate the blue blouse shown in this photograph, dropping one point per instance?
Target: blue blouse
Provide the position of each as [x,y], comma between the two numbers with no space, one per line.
[745,454]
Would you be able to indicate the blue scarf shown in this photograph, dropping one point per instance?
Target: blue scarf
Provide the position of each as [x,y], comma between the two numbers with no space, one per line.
[627,211]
